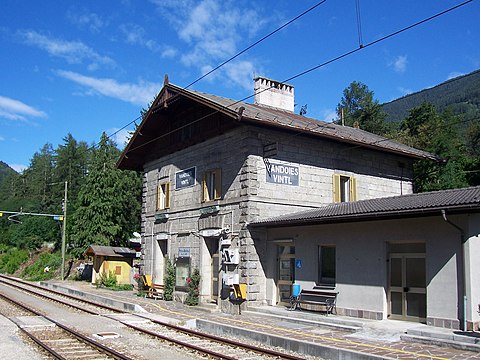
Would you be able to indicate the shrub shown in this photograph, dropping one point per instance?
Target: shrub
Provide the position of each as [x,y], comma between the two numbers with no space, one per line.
[193,283]
[169,281]
[105,279]
[36,271]
[11,260]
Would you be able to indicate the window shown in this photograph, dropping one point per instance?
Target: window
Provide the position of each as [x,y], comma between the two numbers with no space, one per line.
[344,188]
[212,185]
[182,272]
[326,265]
[163,196]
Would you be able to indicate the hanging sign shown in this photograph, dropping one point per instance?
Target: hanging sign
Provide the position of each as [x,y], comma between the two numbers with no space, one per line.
[282,174]
[185,178]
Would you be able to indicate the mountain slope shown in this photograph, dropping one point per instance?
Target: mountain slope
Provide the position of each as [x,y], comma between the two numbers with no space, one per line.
[4,171]
[461,94]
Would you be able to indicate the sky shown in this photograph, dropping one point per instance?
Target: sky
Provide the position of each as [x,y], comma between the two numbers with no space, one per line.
[88,67]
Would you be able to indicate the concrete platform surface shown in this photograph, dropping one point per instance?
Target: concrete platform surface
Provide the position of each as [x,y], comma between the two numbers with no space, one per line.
[311,333]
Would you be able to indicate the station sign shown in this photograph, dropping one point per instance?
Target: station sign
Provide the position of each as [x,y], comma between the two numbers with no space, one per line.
[183,252]
[282,174]
[185,178]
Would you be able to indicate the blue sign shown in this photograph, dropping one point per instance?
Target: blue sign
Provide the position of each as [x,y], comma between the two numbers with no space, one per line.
[185,178]
[282,174]
[298,263]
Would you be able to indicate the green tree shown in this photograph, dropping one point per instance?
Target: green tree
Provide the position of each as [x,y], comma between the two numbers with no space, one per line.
[108,204]
[34,231]
[358,107]
[71,165]
[36,180]
[437,133]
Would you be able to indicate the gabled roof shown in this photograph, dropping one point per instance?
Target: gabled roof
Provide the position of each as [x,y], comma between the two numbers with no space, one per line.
[110,251]
[261,115]
[414,205]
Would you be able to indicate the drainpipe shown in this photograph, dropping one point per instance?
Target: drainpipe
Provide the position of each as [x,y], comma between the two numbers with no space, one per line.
[462,238]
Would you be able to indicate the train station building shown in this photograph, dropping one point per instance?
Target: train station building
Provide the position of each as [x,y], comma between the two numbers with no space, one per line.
[224,179]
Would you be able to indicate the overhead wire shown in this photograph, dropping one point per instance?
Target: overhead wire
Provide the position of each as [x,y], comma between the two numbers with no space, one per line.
[256,43]
[235,56]
[337,58]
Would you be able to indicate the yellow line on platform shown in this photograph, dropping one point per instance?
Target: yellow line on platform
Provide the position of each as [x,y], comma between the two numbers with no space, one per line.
[349,342]
[339,340]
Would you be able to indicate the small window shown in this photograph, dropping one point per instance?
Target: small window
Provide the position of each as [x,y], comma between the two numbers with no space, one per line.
[163,196]
[118,270]
[344,188]
[326,265]
[212,185]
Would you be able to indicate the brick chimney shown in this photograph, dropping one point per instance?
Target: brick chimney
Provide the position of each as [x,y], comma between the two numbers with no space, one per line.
[274,94]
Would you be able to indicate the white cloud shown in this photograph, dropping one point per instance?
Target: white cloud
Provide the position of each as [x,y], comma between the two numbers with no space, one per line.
[121,137]
[404,91]
[241,72]
[18,167]
[454,74]
[74,52]
[399,64]
[328,115]
[91,21]
[136,35]
[141,93]
[214,31]
[16,110]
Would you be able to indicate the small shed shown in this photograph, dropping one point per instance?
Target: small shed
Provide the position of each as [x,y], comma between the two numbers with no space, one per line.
[119,260]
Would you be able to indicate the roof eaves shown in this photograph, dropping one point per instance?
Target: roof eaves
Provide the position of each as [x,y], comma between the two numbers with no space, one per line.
[368,216]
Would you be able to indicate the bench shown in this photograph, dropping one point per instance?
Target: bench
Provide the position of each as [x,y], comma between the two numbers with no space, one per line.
[326,299]
[154,291]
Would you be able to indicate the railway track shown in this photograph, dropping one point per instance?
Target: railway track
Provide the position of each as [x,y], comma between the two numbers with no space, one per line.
[202,343]
[62,342]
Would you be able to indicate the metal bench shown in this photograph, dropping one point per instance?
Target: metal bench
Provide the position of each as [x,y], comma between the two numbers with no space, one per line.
[326,299]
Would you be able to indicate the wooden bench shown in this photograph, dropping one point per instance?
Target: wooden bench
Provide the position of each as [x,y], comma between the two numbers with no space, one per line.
[327,299]
[154,291]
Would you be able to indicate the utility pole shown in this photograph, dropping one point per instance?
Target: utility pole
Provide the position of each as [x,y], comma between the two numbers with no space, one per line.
[63,230]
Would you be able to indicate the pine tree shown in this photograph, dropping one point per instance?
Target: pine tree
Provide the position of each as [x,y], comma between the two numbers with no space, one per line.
[108,206]
[358,107]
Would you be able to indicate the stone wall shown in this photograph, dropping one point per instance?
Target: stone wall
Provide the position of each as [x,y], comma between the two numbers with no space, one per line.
[247,196]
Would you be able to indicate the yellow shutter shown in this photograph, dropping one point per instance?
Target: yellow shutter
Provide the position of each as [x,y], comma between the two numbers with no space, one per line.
[353,189]
[204,187]
[167,195]
[159,192]
[336,189]
[218,184]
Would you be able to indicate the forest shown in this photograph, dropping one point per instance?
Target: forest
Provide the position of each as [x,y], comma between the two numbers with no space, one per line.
[103,203]
[102,207]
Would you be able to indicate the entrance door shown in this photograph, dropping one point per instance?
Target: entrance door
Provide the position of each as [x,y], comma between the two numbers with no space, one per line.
[285,272]
[407,292]
[213,251]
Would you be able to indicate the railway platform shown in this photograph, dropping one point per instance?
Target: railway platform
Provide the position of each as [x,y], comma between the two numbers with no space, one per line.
[309,333]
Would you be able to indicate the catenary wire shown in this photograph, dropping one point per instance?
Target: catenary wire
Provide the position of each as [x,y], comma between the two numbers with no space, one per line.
[337,58]
[233,57]
[256,43]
